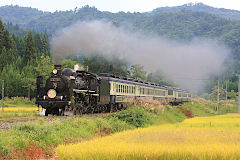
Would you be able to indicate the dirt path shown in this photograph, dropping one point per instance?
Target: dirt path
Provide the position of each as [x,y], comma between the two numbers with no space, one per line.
[7,123]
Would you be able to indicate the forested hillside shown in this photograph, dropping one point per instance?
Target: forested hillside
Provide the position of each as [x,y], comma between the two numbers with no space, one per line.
[226,13]
[30,18]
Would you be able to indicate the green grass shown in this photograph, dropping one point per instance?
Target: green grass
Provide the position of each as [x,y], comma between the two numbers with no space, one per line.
[48,134]
[18,101]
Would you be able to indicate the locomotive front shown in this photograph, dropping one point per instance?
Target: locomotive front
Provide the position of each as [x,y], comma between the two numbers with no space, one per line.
[55,95]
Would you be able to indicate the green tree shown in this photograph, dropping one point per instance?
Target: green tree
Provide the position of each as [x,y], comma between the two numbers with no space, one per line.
[30,50]
[19,43]
[30,84]
[44,66]
[38,44]
[232,95]
[137,72]
[1,36]
[98,64]
[3,58]
[28,78]
[7,57]
[215,91]
[8,42]
[12,80]
[159,78]
[45,46]
[69,63]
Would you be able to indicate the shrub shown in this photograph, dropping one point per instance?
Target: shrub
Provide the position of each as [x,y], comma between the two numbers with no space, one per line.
[18,100]
[135,116]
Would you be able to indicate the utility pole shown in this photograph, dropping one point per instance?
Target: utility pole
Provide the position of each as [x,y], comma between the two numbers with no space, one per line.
[218,97]
[2,96]
[239,93]
[226,95]
[221,91]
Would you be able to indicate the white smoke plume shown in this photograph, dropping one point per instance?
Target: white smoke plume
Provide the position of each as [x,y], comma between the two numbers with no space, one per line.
[185,63]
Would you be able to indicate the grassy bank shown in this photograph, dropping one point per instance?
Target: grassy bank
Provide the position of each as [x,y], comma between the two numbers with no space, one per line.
[37,138]
[45,134]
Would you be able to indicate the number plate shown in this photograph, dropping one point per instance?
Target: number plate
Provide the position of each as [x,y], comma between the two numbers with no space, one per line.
[55,79]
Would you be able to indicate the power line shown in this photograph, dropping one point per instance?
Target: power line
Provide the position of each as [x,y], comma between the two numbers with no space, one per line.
[196,79]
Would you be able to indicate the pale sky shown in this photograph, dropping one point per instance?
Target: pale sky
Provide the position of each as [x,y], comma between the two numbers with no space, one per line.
[116,5]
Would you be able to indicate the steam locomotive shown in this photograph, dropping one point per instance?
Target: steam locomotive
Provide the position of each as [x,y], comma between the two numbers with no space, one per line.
[71,92]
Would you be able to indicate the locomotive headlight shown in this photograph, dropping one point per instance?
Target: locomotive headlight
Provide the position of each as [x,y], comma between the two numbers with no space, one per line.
[54,71]
[51,93]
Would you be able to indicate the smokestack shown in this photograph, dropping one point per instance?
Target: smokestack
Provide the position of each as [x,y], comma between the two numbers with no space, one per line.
[58,68]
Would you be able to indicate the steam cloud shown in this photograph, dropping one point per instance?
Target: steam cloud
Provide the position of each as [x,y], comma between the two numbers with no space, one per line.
[185,63]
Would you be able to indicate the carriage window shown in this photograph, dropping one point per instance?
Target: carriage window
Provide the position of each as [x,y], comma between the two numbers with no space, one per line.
[170,92]
[179,94]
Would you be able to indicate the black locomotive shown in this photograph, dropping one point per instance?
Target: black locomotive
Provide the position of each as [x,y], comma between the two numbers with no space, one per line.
[70,92]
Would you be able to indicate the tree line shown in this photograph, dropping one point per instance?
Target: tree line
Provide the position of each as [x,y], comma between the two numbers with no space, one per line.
[21,60]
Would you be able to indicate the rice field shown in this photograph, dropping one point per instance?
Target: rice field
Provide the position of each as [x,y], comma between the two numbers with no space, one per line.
[19,112]
[215,138]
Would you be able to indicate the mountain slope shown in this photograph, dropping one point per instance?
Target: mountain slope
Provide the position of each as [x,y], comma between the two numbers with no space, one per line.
[30,18]
[226,13]
[19,15]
